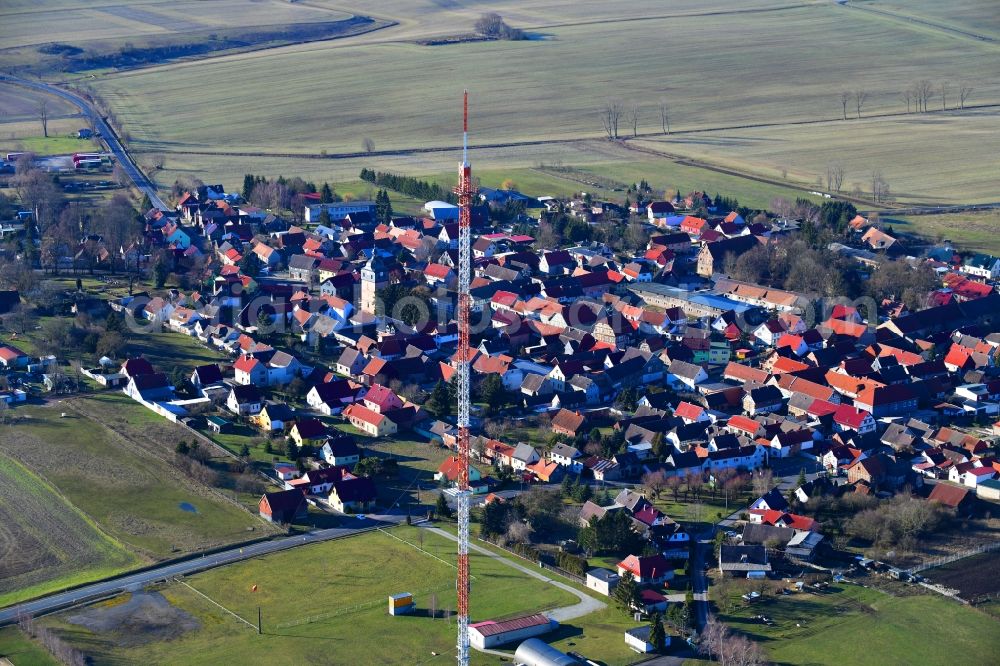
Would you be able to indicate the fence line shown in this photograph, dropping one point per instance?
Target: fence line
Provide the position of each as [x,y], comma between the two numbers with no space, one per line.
[356,608]
[213,601]
[948,559]
[541,565]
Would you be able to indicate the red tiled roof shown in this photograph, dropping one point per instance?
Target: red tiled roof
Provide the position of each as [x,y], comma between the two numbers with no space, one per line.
[646,567]
[364,414]
[744,423]
[10,353]
[246,364]
[745,373]
[686,410]
[785,364]
[948,495]
[849,416]
[492,628]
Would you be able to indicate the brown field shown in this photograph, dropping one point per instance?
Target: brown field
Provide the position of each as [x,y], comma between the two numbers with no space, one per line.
[44,540]
[973,577]
[80,22]
[737,104]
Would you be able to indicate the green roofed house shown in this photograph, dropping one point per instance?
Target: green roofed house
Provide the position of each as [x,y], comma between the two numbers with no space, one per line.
[218,424]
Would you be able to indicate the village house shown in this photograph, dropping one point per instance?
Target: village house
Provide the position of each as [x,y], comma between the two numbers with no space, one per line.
[743,561]
[647,570]
[308,432]
[340,451]
[369,421]
[244,400]
[353,495]
[567,422]
[567,456]
[284,506]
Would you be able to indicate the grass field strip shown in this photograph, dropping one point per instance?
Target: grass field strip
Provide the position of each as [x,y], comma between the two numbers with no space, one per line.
[216,603]
[356,608]
[413,545]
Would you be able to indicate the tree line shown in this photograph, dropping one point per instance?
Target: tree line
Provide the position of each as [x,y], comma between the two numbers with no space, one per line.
[279,193]
[918,97]
[616,114]
[418,189]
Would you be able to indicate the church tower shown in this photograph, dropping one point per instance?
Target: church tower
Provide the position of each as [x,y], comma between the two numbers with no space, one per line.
[374,278]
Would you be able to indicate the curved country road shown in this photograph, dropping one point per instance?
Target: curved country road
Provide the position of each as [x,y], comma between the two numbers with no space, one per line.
[140,180]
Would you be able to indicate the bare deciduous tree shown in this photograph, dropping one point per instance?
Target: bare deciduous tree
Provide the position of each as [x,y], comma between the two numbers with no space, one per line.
[923,91]
[845,97]
[762,482]
[730,649]
[964,91]
[368,145]
[907,95]
[860,97]
[943,89]
[880,187]
[838,177]
[611,116]
[654,483]
[664,116]
[43,116]
[632,118]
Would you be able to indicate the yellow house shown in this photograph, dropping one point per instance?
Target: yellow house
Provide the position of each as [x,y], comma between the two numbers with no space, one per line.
[274,416]
[308,432]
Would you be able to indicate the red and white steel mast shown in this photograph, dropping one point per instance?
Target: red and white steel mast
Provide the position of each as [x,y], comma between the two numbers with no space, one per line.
[465,192]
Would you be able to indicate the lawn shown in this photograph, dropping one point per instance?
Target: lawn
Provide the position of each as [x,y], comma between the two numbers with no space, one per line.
[327,602]
[120,475]
[883,629]
[973,232]
[54,145]
[167,350]
[15,646]
[46,543]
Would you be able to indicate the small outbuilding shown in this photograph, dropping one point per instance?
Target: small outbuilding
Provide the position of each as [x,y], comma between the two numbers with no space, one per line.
[401,604]
[217,424]
[638,639]
[602,580]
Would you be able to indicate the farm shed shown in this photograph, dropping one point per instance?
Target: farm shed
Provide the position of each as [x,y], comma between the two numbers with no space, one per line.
[491,633]
[534,652]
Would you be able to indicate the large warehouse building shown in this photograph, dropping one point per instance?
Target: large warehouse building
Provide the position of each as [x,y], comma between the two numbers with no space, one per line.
[534,652]
[491,633]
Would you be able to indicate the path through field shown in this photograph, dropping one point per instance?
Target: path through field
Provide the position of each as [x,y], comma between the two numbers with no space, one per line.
[586,605]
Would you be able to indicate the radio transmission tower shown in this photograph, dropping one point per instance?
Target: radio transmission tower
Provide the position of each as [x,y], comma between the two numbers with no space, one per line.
[465,192]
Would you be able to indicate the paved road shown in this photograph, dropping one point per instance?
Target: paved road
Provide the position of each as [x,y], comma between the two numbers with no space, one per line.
[137,581]
[140,180]
[586,605]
